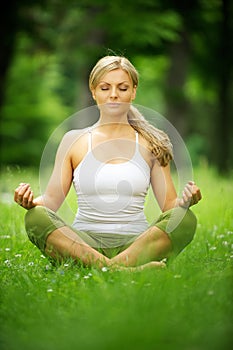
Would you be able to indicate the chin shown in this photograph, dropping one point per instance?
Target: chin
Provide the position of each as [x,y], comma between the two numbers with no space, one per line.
[115,108]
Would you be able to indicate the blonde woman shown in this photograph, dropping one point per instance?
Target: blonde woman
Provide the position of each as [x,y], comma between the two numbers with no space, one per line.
[112,164]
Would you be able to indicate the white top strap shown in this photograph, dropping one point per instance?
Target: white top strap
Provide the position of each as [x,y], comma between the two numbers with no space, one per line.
[137,140]
[89,140]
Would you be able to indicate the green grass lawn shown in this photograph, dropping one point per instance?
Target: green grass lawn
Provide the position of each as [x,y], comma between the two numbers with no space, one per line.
[188,305]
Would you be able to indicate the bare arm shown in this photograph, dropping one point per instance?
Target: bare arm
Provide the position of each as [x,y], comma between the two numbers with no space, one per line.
[58,185]
[165,193]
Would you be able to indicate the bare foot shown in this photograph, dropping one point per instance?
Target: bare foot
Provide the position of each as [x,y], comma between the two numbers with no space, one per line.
[150,265]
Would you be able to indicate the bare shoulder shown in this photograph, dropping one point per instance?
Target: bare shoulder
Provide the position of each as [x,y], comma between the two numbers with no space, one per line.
[73,135]
[75,145]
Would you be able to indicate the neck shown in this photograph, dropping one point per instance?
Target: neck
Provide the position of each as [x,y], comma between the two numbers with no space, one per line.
[113,120]
[113,127]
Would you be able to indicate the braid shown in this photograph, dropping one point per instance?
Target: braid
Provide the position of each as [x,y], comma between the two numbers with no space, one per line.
[160,144]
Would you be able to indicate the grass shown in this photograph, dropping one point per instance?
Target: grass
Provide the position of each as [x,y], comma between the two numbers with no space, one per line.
[188,306]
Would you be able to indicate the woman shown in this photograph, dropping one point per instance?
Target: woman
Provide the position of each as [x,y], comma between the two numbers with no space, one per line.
[112,165]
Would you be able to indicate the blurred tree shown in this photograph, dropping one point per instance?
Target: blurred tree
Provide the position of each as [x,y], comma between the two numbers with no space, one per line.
[31,108]
[9,24]
[224,122]
[21,60]
[204,49]
[212,62]
[14,18]
[175,44]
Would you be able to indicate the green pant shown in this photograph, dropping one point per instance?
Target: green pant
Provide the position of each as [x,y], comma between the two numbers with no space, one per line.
[178,223]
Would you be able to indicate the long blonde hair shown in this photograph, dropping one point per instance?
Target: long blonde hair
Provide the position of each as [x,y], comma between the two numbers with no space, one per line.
[158,140]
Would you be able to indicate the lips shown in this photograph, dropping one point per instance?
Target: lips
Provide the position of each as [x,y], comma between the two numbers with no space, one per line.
[113,105]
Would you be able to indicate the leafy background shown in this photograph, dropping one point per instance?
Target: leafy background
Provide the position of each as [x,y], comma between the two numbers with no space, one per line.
[183,51]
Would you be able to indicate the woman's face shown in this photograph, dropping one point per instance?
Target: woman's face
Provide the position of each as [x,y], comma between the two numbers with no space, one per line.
[114,89]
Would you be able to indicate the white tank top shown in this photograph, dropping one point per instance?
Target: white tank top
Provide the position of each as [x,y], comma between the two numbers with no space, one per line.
[111,196]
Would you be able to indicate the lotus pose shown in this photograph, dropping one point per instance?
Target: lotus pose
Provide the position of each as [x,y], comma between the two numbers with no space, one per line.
[112,165]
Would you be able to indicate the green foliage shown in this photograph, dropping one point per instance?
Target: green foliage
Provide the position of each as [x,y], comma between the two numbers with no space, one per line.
[32,107]
[186,306]
[181,50]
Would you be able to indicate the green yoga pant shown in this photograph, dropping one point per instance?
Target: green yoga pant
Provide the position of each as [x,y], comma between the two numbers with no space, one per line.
[178,223]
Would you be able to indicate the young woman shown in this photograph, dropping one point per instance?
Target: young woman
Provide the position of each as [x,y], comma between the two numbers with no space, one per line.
[112,164]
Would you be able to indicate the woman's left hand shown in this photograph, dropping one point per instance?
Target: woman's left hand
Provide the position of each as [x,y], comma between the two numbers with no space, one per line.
[191,195]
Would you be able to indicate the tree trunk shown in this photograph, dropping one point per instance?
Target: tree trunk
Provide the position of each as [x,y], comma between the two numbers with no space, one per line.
[8,27]
[224,123]
[177,104]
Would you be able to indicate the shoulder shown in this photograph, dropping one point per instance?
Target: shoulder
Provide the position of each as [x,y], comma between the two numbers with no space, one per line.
[74,145]
[71,137]
[74,135]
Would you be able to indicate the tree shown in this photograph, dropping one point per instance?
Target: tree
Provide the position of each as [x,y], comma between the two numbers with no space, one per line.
[186,38]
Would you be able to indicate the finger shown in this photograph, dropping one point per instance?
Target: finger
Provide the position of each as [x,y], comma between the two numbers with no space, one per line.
[20,192]
[191,183]
[187,195]
[196,193]
[183,203]
[26,196]
[188,191]
[30,200]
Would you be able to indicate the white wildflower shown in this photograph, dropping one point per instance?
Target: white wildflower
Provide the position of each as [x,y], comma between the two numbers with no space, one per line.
[104,269]
[7,262]
[213,248]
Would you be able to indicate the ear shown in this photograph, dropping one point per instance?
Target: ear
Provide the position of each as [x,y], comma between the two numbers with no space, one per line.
[93,94]
[134,93]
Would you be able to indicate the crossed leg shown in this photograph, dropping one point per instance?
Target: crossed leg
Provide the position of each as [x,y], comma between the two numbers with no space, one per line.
[64,242]
[152,245]
[61,241]
[146,251]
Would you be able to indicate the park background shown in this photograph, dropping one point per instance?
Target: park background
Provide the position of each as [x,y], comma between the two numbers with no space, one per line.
[183,52]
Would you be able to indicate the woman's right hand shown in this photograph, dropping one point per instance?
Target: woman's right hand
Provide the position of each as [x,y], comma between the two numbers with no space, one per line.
[24,196]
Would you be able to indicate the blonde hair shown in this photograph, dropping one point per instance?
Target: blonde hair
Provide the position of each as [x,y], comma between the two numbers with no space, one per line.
[158,140]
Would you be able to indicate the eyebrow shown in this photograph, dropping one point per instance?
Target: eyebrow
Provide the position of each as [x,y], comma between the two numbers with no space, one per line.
[123,82]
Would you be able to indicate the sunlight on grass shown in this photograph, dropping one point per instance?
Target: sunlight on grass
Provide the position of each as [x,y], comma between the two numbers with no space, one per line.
[188,305]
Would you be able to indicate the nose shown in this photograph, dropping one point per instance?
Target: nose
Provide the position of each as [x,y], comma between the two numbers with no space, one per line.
[113,93]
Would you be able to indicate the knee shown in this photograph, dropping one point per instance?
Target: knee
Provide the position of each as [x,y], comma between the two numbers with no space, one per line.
[38,224]
[33,217]
[190,223]
[184,232]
